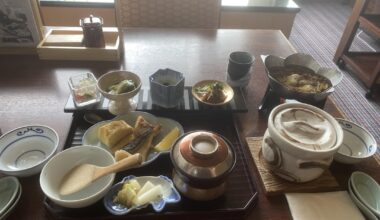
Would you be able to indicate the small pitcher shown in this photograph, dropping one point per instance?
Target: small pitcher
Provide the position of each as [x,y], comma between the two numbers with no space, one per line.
[92,31]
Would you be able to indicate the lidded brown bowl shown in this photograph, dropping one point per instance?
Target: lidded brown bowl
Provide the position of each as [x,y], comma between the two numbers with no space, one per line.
[202,161]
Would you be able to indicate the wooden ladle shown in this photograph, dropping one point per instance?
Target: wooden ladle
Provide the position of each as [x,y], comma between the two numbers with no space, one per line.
[83,175]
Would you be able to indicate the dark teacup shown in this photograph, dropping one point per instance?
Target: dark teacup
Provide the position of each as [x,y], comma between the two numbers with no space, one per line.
[239,64]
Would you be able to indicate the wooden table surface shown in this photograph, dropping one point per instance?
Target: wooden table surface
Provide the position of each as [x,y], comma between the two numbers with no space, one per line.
[35,92]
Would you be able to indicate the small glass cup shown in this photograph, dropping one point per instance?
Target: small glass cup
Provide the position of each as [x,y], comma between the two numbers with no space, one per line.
[83,89]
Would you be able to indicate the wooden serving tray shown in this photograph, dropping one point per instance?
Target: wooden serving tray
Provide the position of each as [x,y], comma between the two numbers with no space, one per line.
[274,185]
[187,104]
[66,44]
[238,200]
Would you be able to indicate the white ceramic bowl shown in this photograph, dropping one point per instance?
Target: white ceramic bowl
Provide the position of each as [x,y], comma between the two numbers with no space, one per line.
[295,161]
[358,144]
[63,162]
[120,103]
[25,150]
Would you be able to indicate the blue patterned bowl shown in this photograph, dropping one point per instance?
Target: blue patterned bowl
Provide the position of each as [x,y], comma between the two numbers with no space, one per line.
[25,150]
[358,144]
[170,195]
[167,87]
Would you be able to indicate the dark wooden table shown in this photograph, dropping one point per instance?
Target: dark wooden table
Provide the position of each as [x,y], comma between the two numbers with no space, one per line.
[35,92]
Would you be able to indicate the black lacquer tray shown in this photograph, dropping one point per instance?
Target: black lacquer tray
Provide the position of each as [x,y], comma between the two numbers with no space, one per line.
[238,200]
[187,104]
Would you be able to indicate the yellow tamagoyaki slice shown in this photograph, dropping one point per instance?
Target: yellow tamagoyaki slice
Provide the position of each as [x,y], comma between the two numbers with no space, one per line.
[167,142]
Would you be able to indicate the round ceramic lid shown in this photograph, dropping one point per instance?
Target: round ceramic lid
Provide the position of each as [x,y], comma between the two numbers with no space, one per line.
[202,154]
[305,128]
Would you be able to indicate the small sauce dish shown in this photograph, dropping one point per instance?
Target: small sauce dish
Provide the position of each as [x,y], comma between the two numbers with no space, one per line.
[170,194]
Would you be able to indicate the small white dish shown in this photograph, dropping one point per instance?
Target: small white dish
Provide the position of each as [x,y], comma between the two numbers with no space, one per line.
[6,212]
[83,89]
[170,195]
[119,103]
[9,187]
[25,150]
[54,171]
[90,137]
[359,204]
[358,144]
[367,191]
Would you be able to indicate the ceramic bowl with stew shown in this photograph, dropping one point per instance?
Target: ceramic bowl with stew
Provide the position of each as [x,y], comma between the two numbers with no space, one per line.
[358,144]
[25,150]
[300,141]
[120,87]
[54,171]
[300,77]
[202,162]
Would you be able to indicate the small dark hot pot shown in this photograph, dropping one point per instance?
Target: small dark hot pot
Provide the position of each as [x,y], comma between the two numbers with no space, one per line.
[202,162]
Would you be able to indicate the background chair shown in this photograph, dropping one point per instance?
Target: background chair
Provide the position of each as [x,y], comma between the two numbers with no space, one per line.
[168,13]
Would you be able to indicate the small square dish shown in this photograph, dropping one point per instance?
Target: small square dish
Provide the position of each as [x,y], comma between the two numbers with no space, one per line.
[167,88]
[83,89]
[139,192]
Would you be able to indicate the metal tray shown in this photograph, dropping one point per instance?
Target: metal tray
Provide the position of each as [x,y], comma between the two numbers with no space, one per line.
[239,198]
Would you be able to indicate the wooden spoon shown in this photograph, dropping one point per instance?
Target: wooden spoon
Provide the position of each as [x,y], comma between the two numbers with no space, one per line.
[83,175]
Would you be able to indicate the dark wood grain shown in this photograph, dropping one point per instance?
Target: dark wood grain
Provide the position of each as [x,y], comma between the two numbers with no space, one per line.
[274,185]
[35,92]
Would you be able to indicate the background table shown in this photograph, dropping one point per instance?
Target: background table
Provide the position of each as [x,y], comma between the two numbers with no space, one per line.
[35,92]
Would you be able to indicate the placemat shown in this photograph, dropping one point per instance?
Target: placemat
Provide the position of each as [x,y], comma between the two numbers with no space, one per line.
[274,185]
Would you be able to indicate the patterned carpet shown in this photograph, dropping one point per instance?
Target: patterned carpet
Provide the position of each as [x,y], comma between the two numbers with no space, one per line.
[317,31]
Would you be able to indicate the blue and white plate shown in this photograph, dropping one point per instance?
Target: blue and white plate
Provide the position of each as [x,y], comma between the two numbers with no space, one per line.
[170,195]
[24,150]
[90,137]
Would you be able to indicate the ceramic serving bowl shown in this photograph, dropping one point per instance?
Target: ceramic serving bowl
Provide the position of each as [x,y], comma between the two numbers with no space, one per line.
[170,194]
[299,62]
[367,191]
[120,103]
[167,87]
[202,87]
[300,141]
[202,162]
[25,150]
[54,171]
[358,144]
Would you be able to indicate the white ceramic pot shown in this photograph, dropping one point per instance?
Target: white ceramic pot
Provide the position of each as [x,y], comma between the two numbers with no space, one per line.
[300,141]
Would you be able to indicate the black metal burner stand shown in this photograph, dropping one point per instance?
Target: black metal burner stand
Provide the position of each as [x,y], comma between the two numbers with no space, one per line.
[271,99]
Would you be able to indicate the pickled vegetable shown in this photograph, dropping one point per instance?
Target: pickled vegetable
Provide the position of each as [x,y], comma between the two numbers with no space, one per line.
[122,87]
